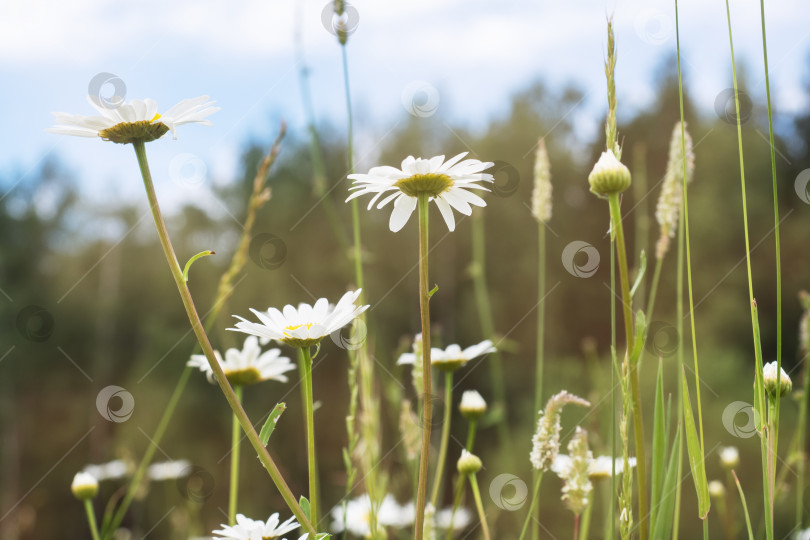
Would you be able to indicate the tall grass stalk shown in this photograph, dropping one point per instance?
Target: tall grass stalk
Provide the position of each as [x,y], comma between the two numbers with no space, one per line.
[259,196]
[484,304]
[759,383]
[197,326]
[702,463]
[445,437]
[642,216]
[774,421]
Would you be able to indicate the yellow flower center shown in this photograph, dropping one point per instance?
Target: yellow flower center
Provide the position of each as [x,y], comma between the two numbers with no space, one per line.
[431,184]
[129,132]
[244,376]
[297,326]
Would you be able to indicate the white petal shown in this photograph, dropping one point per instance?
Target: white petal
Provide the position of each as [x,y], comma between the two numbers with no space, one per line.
[403,208]
[447,213]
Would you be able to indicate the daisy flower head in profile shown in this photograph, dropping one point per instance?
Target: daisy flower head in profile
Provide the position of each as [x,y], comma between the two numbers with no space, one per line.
[136,121]
[249,529]
[451,358]
[447,183]
[247,366]
[306,325]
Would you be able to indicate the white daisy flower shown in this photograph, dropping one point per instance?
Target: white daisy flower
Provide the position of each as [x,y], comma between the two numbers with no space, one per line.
[84,486]
[770,373]
[168,470]
[112,470]
[305,326]
[247,366]
[472,404]
[802,535]
[451,358]
[358,514]
[600,467]
[249,529]
[445,182]
[729,457]
[138,120]
[441,518]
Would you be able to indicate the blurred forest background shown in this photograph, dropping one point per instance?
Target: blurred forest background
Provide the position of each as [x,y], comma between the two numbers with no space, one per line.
[107,312]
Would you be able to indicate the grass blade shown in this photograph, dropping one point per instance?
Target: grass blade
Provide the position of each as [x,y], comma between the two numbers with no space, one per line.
[696,462]
[270,423]
[659,445]
[666,512]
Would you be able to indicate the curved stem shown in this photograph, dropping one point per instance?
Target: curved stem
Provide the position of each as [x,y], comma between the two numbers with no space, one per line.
[460,482]
[448,400]
[236,439]
[202,338]
[91,518]
[532,506]
[427,403]
[480,507]
[305,362]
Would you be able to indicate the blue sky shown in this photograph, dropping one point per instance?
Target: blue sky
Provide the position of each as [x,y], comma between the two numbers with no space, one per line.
[469,56]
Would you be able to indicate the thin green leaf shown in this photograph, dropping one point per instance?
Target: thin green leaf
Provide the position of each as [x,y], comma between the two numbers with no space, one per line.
[659,444]
[745,506]
[433,291]
[304,503]
[270,423]
[696,462]
[641,270]
[666,510]
[194,258]
[638,342]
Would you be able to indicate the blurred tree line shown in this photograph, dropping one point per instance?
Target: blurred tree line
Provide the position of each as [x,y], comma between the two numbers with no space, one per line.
[85,311]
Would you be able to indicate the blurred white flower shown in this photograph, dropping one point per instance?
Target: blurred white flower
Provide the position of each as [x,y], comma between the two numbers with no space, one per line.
[247,366]
[358,514]
[305,326]
[84,486]
[445,182]
[600,467]
[168,470]
[472,404]
[137,120]
[729,457]
[769,374]
[451,358]
[112,470]
[249,529]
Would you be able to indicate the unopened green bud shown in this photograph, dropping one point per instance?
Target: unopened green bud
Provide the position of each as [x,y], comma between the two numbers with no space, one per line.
[469,463]
[609,175]
[84,486]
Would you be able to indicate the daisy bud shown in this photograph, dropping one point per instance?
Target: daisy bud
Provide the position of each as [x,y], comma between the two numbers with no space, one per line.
[769,373]
[468,463]
[84,486]
[546,440]
[729,457]
[716,489]
[472,405]
[609,176]
[578,487]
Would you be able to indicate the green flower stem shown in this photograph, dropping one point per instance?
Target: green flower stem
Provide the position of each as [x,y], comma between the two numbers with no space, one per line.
[460,482]
[149,453]
[202,338]
[448,409]
[638,420]
[305,365]
[427,402]
[91,518]
[679,328]
[532,506]
[773,436]
[541,319]
[236,438]
[802,444]
[480,507]
[486,321]
[613,372]
[759,384]
[586,523]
